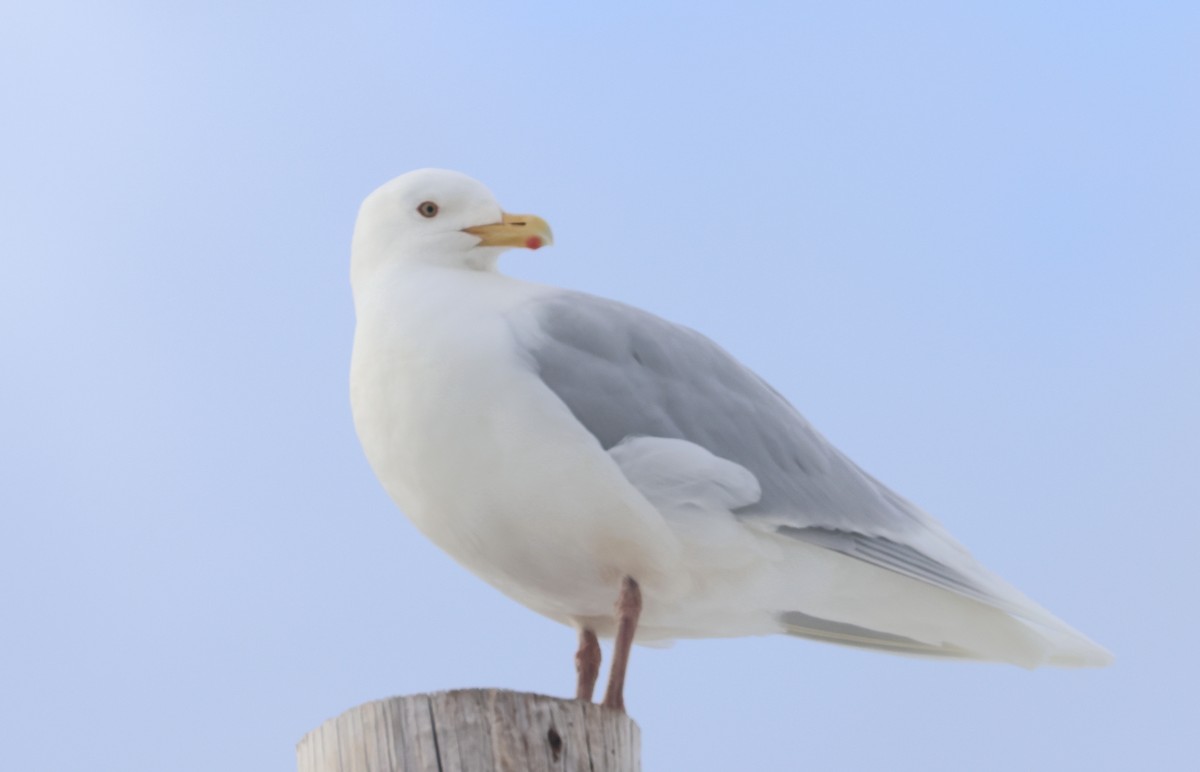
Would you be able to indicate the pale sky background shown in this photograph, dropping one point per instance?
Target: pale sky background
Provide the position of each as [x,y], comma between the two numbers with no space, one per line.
[963,238]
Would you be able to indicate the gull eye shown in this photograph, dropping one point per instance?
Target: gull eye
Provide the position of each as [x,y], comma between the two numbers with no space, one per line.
[427,209]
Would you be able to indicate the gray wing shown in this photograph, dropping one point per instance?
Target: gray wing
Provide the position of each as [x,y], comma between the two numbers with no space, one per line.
[627,373]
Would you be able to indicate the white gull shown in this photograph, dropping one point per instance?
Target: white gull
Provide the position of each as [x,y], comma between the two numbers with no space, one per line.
[575,452]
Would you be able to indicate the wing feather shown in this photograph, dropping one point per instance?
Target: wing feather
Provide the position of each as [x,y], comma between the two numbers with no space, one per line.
[626,373]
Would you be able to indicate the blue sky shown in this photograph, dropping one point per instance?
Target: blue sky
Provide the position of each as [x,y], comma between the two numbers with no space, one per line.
[962,238]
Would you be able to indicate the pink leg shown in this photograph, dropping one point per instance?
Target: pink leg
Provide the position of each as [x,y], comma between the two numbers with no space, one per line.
[629,607]
[587,664]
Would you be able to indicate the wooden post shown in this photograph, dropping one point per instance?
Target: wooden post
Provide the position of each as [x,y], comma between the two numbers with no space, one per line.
[474,730]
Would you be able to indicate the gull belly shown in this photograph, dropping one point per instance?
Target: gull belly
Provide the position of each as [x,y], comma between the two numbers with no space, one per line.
[476,452]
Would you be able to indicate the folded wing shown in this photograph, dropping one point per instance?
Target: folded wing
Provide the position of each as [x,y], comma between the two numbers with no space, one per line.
[625,373]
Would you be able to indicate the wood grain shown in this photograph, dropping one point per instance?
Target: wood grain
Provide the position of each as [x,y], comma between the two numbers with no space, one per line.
[474,730]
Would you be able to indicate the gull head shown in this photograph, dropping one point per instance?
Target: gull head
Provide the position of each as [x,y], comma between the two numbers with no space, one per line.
[438,217]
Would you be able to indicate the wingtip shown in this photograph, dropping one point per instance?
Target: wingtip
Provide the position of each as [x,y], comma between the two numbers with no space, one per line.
[1090,656]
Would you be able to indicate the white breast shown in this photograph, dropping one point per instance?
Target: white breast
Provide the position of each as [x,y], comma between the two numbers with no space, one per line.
[480,455]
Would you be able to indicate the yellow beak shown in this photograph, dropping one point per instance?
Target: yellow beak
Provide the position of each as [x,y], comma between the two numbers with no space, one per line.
[514,230]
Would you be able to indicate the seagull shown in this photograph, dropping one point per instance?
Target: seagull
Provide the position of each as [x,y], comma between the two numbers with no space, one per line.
[626,476]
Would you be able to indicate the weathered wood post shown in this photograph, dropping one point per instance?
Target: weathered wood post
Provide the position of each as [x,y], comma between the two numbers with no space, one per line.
[474,730]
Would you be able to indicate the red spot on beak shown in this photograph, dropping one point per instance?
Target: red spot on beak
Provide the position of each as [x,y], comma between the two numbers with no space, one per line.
[533,242]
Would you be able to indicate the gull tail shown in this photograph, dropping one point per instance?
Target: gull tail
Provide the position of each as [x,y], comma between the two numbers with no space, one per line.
[972,614]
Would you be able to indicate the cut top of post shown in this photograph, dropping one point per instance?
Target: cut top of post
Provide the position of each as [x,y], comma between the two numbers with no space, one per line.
[474,730]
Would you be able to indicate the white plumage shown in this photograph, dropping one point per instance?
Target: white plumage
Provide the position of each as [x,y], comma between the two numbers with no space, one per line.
[555,443]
